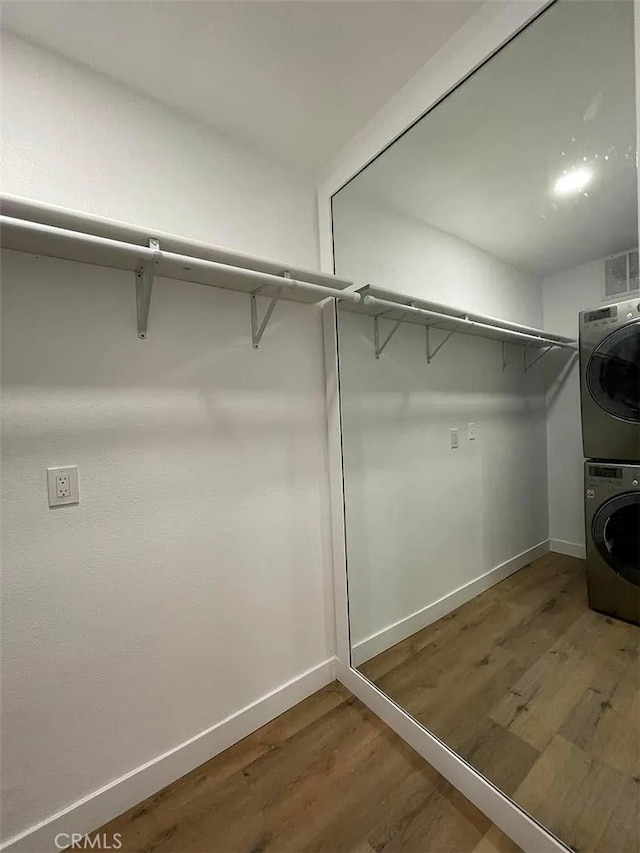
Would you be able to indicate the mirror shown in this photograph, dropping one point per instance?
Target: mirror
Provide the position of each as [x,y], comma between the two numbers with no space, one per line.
[471,602]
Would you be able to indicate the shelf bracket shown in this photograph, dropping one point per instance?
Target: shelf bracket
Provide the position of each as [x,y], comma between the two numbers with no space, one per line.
[258,326]
[379,347]
[527,367]
[144,286]
[505,360]
[430,352]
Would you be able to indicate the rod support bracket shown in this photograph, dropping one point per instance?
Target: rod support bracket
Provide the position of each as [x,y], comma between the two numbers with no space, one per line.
[144,287]
[377,345]
[258,326]
[432,352]
[527,367]
[505,360]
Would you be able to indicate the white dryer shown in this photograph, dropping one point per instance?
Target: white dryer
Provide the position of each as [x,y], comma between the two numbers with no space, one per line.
[610,381]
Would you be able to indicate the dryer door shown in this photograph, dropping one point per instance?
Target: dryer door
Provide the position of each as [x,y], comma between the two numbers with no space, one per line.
[616,534]
[613,373]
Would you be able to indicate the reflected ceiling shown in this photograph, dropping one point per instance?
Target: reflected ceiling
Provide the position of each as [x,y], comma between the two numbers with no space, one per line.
[484,163]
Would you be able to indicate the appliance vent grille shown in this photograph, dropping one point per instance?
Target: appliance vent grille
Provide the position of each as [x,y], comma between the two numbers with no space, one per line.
[621,274]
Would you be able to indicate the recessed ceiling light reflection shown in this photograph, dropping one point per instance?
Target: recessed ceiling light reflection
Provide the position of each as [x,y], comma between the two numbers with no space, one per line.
[573,182]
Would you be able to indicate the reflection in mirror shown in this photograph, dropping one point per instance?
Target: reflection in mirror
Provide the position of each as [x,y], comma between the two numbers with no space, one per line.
[512,205]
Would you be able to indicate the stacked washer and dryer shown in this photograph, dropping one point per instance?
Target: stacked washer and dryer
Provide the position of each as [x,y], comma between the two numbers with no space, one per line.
[610,403]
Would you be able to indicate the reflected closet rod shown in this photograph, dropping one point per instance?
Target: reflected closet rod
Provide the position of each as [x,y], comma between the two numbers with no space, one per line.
[470,327]
[439,308]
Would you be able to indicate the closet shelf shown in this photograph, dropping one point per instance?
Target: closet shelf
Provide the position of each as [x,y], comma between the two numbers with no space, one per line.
[42,229]
[399,308]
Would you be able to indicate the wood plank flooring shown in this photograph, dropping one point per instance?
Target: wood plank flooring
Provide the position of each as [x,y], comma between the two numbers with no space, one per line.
[540,694]
[326,776]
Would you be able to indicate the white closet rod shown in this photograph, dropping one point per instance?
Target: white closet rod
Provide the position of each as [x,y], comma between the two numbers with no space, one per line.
[138,252]
[476,318]
[469,326]
[143,253]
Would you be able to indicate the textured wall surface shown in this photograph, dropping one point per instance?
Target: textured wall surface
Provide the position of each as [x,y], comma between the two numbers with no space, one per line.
[422,519]
[80,141]
[194,577]
[190,580]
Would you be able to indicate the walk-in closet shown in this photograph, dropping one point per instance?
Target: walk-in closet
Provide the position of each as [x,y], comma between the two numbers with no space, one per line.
[320,426]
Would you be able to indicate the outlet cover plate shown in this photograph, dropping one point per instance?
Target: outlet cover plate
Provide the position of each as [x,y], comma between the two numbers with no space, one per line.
[70,473]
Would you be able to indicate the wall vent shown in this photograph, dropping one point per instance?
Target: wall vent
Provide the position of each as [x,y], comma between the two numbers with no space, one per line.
[621,275]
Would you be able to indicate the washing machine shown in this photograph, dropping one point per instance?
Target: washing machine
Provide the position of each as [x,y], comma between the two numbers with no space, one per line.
[612,515]
[610,381]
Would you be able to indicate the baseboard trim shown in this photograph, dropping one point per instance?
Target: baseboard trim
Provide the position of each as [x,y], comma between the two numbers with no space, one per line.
[509,817]
[111,800]
[392,634]
[570,549]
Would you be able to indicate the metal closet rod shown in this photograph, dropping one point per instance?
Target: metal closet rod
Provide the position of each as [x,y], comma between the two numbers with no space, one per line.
[468,325]
[143,253]
[479,318]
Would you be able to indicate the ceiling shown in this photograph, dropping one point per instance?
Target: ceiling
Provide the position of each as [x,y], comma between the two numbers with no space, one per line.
[297,79]
[482,165]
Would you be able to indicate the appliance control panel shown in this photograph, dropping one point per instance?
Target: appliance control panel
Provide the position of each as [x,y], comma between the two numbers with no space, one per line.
[602,316]
[623,477]
[609,315]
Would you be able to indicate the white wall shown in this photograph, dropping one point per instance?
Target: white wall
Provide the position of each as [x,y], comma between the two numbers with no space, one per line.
[564,295]
[194,577]
[73,138]
[422,519]
[376,245]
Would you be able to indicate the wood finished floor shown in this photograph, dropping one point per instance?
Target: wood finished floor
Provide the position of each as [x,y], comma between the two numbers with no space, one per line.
[327,776]
[540,694]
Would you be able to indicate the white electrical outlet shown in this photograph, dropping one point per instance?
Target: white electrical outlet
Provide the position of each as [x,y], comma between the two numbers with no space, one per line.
[62,486]
[455,440]
[472,432]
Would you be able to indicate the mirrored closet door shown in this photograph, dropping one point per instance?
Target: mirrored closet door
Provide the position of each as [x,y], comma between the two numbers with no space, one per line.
[510,207]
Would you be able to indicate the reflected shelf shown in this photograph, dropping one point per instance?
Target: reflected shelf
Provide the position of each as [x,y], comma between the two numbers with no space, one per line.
[398,308]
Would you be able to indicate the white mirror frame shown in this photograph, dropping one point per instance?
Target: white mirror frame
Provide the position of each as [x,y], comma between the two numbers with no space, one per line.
[495,23]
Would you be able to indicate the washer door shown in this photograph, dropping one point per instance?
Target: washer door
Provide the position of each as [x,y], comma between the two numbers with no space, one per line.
[613,373]
[616,534]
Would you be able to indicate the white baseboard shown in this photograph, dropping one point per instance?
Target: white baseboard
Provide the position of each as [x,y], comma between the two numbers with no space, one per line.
[106,803]
[571,549]
[392,634]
